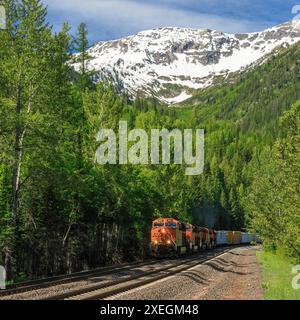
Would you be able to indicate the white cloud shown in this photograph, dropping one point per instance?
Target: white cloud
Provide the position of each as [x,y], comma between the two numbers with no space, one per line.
[116,18]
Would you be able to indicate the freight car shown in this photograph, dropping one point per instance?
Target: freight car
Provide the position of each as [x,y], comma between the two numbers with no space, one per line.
[170,237]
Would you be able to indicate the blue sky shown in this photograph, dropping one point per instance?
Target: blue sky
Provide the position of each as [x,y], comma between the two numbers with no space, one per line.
[112,19]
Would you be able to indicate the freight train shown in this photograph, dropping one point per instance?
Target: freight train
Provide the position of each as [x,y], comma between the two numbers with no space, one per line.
[170,237]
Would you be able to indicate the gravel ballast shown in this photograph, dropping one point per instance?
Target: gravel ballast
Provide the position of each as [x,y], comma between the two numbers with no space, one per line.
[235,275]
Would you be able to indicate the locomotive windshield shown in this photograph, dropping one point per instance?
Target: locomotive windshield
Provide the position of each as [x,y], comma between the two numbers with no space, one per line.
[167,224]
[158,224]
[171,224]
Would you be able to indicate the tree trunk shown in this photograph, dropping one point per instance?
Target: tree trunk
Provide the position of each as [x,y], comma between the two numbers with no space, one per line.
[10,261]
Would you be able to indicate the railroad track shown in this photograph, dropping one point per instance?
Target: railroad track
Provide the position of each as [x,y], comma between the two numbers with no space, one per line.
[65,279]
[109,289]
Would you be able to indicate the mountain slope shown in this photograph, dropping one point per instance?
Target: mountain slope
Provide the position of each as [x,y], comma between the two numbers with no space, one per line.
[242,122]
[170,63]
[255,100]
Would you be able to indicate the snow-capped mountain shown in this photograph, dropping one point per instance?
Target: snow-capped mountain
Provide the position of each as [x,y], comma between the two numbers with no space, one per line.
[170,63]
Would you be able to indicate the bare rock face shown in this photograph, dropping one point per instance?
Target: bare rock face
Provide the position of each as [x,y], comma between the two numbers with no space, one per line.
[184,60]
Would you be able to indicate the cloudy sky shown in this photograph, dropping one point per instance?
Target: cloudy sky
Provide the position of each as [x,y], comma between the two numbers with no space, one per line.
[113,19]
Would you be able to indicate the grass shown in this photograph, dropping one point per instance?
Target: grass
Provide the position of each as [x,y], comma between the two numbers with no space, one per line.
[277,276]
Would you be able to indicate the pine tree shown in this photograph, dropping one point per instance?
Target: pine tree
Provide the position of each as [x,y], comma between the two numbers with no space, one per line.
[27,44]
[81,47]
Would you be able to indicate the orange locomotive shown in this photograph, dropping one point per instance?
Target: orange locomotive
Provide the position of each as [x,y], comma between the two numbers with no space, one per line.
[170,237]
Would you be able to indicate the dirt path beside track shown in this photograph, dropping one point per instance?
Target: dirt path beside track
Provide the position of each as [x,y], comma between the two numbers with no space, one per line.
[236,275]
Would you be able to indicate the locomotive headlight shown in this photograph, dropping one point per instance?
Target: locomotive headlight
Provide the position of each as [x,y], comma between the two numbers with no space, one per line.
[163,231]
[169,242]
[155,242]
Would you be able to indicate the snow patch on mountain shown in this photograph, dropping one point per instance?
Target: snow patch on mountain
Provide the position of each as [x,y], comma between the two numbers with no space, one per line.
[170,63]
[180,98]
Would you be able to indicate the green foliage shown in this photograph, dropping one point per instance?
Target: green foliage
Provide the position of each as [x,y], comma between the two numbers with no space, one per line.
[277,276]
[59,211]
[273,201]
[242,179]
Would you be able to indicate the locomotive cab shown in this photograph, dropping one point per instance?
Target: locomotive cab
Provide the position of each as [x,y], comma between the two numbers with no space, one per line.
[167,237]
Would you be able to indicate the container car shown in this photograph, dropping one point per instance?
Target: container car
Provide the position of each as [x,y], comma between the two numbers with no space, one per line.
[237,237]
[229,237]
[245,238]
[252,237]
[222,238]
